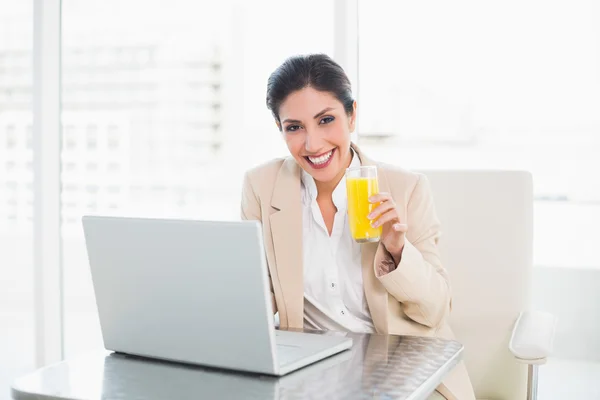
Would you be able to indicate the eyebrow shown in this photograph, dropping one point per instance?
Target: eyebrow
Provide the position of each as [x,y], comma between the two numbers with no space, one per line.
[316,116]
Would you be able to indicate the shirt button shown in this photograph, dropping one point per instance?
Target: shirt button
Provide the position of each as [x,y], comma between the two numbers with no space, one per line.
[343,312]
[332,285]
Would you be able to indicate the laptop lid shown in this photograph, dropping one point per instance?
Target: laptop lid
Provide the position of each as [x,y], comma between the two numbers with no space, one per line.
[183,290]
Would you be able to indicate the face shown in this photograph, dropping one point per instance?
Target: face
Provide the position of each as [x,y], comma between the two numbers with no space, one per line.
[316,129]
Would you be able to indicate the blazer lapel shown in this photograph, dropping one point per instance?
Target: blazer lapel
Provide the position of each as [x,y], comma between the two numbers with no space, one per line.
[375,293]
[286,230]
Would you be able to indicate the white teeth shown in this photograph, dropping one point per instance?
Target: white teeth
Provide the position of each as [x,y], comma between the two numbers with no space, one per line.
[322,159]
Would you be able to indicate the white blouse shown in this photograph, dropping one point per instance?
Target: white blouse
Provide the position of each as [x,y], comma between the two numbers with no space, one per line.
[334,297]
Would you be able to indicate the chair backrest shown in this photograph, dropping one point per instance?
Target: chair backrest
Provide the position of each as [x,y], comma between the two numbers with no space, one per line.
[486,246]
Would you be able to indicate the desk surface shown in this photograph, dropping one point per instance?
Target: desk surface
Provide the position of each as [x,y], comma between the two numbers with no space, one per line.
[381,366]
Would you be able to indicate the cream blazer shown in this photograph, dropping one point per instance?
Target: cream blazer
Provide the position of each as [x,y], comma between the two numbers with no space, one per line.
[414,299]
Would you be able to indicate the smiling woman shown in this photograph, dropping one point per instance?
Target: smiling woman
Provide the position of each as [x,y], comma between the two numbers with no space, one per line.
[320,141]
[320,277]
[311,101]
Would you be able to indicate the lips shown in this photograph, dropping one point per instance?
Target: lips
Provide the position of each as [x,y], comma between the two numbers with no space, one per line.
[322,160]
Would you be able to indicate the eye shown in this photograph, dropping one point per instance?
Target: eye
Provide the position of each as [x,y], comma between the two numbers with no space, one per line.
[326,120]
[292,128]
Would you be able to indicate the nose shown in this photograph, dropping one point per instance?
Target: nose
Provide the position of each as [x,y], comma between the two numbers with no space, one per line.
[314,142]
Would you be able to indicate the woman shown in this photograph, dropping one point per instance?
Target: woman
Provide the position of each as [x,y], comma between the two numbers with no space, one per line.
[320,278]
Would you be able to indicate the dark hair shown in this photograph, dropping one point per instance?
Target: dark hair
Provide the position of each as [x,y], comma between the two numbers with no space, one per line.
[318,71]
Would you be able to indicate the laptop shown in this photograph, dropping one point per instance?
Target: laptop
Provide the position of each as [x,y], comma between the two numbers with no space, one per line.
[194,292]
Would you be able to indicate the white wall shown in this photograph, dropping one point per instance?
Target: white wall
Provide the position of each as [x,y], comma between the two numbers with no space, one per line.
[573,295]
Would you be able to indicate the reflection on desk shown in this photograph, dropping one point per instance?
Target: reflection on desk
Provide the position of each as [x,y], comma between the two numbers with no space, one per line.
[379,366]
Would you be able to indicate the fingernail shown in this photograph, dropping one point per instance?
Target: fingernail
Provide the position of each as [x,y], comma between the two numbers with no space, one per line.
[370,216]
[374,224]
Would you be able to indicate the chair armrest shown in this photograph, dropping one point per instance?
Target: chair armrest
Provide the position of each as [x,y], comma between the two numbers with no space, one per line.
[533,337]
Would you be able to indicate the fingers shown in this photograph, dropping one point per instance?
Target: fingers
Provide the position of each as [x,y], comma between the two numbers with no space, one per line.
[381,209]
[385,212]
[380,197]
[386,204]
[398,227]
[389,216]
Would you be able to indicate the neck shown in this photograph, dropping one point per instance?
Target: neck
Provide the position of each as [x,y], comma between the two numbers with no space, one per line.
[327,188]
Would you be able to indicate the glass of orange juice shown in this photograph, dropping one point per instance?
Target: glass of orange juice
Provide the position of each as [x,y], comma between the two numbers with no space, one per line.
[361,183]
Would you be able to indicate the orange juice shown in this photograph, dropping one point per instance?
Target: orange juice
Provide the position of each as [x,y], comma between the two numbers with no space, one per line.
[359,191]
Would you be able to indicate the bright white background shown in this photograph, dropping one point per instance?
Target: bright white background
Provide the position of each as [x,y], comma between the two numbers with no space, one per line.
[163,110]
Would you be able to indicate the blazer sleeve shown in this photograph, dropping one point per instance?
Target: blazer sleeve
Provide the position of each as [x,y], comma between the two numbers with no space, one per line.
[419,281]
[250,210]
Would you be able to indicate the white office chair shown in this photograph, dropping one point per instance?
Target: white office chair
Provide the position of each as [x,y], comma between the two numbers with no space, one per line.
[486,246]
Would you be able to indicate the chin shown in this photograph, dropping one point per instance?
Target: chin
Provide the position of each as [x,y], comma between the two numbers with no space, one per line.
[325,177]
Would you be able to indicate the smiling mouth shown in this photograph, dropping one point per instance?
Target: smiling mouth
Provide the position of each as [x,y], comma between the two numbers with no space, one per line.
[321,159]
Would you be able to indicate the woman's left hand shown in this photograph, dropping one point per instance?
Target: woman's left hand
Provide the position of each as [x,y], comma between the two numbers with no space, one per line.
[394,231]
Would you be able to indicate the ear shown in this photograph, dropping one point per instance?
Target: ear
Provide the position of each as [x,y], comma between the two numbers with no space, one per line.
[352,121]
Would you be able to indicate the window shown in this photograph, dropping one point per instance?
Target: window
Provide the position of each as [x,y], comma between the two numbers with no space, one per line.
[29,136]
[69,138]
[11,137]
[12,186]
[70,188]
[444,97]
[16,236]
[91,189]
[113,167]
[92,137]
[113,144]
[170,100]
[113,137]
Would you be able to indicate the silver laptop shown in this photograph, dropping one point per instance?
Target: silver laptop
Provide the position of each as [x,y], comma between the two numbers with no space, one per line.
[194,292]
